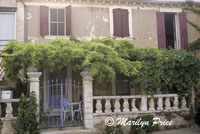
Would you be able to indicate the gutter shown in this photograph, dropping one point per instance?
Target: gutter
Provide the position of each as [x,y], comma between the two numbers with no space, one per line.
[26,21]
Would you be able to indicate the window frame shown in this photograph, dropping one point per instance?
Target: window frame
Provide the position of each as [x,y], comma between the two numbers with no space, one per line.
[57,22]
[15,25]
[130,37]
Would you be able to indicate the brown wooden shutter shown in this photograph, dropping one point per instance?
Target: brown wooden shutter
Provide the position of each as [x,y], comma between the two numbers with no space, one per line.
[183,30]
[161,30]
[68,20]
[117,22]
[125,23]
[44,20]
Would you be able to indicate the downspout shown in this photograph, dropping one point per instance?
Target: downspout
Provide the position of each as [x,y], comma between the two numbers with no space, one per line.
[25,38]
[26,21]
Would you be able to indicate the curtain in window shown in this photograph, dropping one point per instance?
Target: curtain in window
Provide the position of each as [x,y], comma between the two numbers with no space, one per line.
[7,28]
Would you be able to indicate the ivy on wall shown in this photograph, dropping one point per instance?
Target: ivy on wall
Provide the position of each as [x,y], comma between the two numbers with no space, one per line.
[148,68]
[195,45]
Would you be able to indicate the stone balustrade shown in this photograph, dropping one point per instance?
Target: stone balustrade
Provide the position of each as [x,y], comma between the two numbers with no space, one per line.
[8,119]
[139,104]
[9,107]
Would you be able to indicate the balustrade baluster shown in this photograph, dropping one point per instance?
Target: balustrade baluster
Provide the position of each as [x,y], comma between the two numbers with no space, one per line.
[107,106]
[9,110]
[167,104]
[134,108]
[160,103]
[175,107]
[126,106]
[98,106]
[117,105]
[184,104]
[151,104]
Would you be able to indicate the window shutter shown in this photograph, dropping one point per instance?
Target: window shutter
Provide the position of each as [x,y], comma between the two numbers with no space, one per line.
[183,30]
[161,30]
[44,20]
[125,23]
[68,20]
[117,22]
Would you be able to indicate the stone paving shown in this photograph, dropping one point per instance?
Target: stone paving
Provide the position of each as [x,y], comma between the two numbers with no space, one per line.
[192,130]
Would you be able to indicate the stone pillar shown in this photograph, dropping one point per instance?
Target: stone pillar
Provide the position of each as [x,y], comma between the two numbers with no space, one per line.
[34,84]
[87,98]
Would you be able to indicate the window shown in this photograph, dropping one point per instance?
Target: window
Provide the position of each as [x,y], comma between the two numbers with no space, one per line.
[121,22]
[57,22]
[170,30]
[167,30]
[7,28]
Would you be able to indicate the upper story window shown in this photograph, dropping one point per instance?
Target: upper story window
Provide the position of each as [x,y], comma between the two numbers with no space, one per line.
[121,22]
[57,22]
[7,28]
[172,30]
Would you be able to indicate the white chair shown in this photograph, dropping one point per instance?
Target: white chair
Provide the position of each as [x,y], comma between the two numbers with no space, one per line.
[67,109]
[78,110]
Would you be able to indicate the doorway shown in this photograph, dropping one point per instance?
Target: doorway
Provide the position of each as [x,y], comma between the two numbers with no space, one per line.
[170,30]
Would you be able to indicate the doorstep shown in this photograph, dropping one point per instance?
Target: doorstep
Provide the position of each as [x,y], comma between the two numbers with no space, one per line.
[66,130]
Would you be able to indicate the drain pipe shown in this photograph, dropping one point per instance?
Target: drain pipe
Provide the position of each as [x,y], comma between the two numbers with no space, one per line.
[26,21]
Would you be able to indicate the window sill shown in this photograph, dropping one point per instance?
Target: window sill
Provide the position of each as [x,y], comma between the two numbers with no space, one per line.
[49,37]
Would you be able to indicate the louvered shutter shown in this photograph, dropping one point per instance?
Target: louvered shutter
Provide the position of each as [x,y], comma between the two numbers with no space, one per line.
[183,30]
[117,22]
[125,23]
[161,30]
[44,20]
[68,20]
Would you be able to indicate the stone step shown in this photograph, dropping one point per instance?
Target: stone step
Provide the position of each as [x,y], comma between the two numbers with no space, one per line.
[81,131]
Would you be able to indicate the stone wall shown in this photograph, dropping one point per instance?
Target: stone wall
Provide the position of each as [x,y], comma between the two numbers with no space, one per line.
[7,3]
[177,120]
[89,21]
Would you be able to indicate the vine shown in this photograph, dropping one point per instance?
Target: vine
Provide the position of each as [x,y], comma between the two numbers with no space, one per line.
[195,45]
[172,71]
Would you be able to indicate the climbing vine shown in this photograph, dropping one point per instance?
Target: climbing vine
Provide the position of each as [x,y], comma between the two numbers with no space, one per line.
[195,45]
[147,68]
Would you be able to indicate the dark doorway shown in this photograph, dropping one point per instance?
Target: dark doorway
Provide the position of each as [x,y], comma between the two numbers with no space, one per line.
[170,30]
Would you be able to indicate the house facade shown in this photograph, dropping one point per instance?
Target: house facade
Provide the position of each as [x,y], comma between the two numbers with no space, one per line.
[146,23]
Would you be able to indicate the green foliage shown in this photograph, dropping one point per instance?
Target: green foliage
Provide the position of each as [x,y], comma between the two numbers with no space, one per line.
[149,69]
[113,130]
[193,10]
[27,122]
[148,77]
[179,71]
[195,45]
[146,129]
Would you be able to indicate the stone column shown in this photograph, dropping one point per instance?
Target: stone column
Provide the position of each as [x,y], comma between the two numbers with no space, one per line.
[87,98]
[34,84]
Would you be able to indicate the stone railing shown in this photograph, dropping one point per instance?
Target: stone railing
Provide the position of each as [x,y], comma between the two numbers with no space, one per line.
[9,107]
[138,104]
[7,120]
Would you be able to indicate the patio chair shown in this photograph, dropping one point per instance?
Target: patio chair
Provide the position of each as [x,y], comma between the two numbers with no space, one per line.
[78,111]
[66,109]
